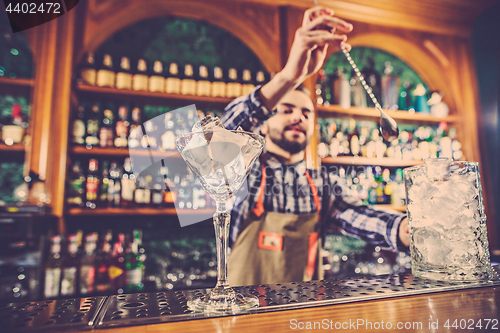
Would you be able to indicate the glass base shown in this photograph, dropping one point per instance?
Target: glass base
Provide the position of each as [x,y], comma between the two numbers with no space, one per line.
[223,302]
[448,273]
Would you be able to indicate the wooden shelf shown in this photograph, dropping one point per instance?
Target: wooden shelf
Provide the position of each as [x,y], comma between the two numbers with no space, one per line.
[138,211]
[122,152]
[16,86]
[15,148]
[384,162]
[16,82]
[132,95]
[374,114]
[401,208]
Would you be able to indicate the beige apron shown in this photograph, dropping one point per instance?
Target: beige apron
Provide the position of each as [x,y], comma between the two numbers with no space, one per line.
[275,247]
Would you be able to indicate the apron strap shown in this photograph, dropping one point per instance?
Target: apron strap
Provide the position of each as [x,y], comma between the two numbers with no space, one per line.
[314,190]
[259,207]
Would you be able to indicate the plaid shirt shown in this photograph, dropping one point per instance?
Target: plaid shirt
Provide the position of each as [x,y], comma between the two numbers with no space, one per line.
[288,191]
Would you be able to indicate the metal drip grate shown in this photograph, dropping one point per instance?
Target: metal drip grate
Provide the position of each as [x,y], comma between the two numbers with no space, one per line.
[77,313]
[149,308]
[139,309]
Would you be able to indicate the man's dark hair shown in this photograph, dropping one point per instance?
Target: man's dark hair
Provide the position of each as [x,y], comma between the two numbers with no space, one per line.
[303,88]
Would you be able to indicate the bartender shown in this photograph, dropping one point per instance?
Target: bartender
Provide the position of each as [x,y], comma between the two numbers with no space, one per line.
[276,229]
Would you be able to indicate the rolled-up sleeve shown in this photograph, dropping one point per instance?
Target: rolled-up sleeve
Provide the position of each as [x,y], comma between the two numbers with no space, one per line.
[373,226]
[376,227]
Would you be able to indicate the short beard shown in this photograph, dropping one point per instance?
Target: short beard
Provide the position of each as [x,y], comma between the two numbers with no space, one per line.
[289,146]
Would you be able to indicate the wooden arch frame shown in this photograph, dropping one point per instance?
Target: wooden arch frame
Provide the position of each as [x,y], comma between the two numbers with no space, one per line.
[429,68]
[251,29]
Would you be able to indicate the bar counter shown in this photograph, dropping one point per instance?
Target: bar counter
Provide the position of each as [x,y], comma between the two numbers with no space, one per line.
[472,305]
[392,303]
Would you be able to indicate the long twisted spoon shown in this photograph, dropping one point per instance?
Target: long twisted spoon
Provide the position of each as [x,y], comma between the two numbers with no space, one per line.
[388,126]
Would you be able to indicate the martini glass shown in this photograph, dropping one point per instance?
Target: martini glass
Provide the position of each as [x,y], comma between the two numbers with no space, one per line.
[221,164]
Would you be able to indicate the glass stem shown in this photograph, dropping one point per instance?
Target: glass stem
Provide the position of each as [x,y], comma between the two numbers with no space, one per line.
[222,220]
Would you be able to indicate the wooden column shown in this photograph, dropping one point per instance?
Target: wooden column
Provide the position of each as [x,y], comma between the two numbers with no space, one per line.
[53,49]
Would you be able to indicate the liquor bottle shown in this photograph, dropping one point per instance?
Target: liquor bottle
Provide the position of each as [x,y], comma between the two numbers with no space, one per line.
[173,82]
[92,138]
[137,237]
[106,75]
[76,187]
[106,132]
[341,89]
[373,80]
[185,195]
[405,95]
[92,184]
[104,188]
[167,138]
[88,70]
[121,128]
[78,130]
[135,135]
[156,195]
[157,192]
[53,269]
[102,264]
[149,140]
[124,77]
[13,130]
[353,138]
[169,195]
[358,93]
[323,91]
[218,85]
[181,125]
[69,271]
[188,83]
[420,99]
[140,78]
[156,80]
[127,184]
[398,197]
[134,268]
[114,185]
[117,266]
[234,87]
[390,88]
[248,85]
[260,78]
[371,186]
[87,265]
[388,186]
[142,195]
[203,86]
[192,118]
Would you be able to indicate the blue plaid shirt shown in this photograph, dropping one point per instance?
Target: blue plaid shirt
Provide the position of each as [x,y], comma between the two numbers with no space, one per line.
[288,191]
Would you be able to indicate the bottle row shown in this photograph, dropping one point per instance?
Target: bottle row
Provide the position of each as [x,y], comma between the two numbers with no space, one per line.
[100,265]
[100,124]
[160,77]
[343,137]
[111,185]
[391,92]
[374,185]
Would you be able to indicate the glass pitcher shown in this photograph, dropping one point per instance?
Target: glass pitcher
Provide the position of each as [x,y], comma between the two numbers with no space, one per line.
[447,221]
